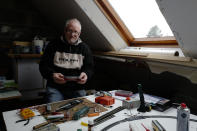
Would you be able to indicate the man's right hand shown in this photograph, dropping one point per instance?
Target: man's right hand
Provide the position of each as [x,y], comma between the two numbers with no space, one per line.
[59,78]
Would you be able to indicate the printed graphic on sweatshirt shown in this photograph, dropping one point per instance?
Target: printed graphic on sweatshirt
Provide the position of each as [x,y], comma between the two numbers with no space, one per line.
[68,60]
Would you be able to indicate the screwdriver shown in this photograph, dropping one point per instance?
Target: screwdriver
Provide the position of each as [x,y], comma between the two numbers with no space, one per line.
[93,114]
[145,127]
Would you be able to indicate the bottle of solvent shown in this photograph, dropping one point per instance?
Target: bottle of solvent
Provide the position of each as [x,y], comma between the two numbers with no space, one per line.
[183,116]
[90,125]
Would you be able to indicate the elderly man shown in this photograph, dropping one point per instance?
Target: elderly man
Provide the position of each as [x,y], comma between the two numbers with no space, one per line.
[67,64]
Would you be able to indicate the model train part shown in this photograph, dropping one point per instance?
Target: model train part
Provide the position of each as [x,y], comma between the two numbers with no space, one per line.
[71,78]
[132,103]
[143,107]
[69,105]
[123,93]
[105,100]
[108,115]
[82,112]
[103,93]
[132,118]
[157,126]
[48,127]
[103,120]
[55,116]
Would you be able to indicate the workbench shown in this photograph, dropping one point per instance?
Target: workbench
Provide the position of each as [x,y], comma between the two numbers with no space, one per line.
[11,94]
[10,117]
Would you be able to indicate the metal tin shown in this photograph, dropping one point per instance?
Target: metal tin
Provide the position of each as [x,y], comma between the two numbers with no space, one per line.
[183,115]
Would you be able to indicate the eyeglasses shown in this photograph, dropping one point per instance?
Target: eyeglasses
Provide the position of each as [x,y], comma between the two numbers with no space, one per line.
[73,32]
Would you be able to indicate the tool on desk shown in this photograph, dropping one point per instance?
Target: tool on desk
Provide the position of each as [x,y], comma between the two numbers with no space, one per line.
[48,127]
[157,126]
[82,112]
[108,115]
[145,127]
[93,114]
[48,122]
[70,104]
[40,125]
[27,121]
[26,114]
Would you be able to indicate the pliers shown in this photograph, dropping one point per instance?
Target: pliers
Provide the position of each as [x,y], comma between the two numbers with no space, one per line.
[27,121]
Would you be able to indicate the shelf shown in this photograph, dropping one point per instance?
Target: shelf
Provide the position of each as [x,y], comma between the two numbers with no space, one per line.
[24,55]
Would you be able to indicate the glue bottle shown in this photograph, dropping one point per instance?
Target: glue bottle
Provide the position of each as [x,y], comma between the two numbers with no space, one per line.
[183,115]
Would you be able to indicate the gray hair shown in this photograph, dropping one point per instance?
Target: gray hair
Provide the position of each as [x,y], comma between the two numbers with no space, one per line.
[72,20]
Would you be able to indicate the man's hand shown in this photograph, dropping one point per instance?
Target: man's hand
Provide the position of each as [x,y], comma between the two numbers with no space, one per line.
[82,78]
[59,78]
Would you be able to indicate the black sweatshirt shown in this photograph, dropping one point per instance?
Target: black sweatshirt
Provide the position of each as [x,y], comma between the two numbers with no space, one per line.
[70,60]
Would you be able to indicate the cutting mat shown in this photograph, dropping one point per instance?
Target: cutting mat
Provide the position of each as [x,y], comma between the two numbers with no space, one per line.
[69,113]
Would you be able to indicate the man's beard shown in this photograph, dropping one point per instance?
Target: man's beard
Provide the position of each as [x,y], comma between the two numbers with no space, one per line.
[73,41]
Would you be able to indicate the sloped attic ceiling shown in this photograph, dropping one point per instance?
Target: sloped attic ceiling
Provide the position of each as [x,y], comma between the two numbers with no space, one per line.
[182,18]
[100,35]
[97,31]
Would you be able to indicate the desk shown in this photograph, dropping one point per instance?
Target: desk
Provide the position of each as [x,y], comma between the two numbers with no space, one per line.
[10,117]
[12,94]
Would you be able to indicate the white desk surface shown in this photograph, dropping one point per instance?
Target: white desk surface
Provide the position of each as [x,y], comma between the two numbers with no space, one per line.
[10,117]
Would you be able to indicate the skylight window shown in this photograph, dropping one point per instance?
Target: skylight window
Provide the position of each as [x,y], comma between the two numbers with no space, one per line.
[142,17]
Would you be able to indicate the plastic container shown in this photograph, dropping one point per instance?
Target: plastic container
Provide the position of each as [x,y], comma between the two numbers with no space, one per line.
[38,44]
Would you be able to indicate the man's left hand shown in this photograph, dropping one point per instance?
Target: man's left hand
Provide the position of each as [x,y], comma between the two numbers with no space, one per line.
[82,78]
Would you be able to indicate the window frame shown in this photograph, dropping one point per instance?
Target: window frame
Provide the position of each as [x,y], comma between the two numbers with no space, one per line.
[121,28]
